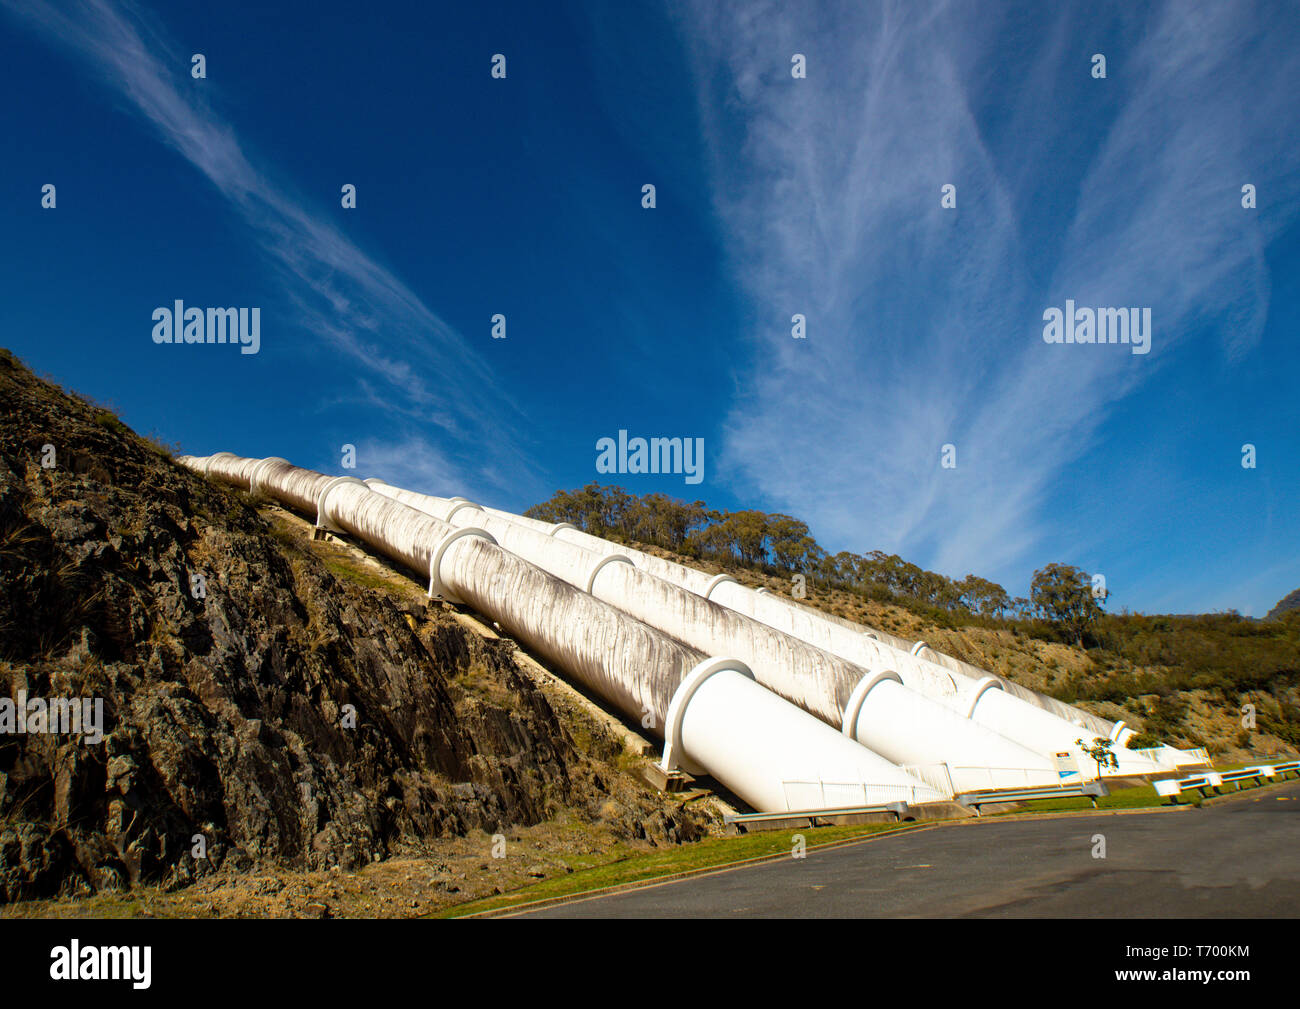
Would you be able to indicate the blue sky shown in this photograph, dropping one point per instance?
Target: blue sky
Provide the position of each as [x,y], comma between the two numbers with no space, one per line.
[775,196]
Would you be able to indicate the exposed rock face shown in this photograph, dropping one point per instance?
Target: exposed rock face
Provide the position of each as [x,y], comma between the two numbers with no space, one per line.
[1289,602]
[228,715]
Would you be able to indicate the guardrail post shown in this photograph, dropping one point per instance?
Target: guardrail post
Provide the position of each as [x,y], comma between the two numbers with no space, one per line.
[1095,790]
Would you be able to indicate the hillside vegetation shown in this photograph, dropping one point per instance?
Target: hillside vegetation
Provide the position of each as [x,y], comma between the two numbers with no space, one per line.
[1287,604]
[1184,680]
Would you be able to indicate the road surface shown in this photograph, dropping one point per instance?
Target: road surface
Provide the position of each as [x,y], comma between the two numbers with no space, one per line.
[1239,858]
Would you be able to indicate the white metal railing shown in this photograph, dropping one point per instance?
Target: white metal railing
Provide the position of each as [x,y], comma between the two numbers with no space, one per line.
[968,779]
[817,794]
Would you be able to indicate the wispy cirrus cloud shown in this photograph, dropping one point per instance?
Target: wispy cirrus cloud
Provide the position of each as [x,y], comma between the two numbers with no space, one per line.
[925,325]
[341,295]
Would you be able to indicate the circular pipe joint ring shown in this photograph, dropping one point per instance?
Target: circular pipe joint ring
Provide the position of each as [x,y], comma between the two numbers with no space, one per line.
[674,753]
[715,582]
[207,464]
[988,683]
[255,477]
[371,480]
[591,578]
[849,724]
[764,591]
[436,587]
[460,503]
[562,525]
[916,648]
[323,520]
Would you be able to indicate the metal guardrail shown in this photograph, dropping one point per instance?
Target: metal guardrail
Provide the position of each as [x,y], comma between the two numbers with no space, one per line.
[1239,776]
[1174,787]
[1090,789]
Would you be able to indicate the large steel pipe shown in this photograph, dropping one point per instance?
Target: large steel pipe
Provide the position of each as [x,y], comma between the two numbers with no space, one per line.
[884,714]
[1094,724]
[1002,713]
[894,721]
[803,772]
[638,670]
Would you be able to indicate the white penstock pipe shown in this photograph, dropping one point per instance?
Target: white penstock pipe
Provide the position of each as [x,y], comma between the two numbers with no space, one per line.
[887,717]
[987,701]
[1094,724]
[713,716]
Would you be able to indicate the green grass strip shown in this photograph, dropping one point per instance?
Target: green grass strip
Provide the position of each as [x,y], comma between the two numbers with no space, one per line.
[701,856]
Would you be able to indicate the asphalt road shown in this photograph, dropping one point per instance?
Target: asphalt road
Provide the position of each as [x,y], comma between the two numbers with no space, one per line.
[1234,859]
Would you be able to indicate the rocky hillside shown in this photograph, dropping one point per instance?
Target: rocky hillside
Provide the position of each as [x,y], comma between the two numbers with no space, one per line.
[289,716]
[1289,602]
